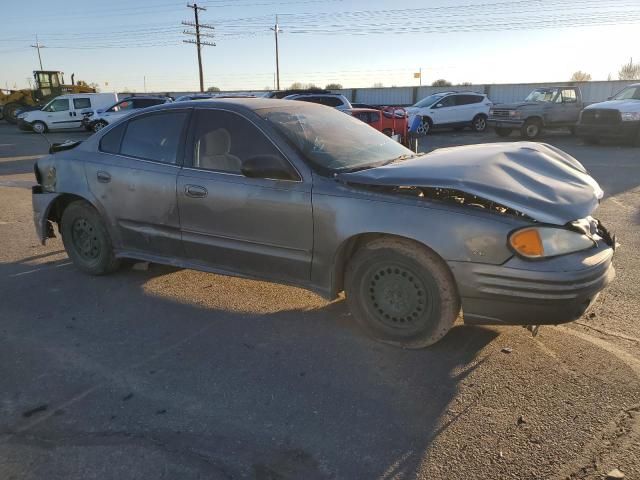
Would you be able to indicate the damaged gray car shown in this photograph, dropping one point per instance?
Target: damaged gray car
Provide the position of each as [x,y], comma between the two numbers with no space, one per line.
[302,194]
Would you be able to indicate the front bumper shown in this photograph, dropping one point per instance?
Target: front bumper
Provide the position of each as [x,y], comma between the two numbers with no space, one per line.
[504,123]
[622,130]
[41,203]
[545,292]
[24,125]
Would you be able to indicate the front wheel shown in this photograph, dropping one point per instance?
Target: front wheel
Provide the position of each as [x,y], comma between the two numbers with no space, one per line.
[87,240]
[99,125]
[401,293]
[479,123]
[531,129]
[425,127]
[39,127]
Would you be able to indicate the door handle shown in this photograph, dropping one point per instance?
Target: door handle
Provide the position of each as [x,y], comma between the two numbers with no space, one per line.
[195,191]
[103,177]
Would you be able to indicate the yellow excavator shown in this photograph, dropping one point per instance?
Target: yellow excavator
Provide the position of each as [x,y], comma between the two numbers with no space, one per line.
[48,84]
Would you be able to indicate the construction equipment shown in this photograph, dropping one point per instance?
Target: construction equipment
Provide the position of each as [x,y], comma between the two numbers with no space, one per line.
[48,84]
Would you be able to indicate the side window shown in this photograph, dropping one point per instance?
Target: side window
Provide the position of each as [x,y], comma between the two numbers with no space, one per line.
[110,142]
[362,116]
[224,140]
[331,101]
[145,102]
[123,105]
[569,96]
[375,117]
[80,103]
[446,102]
[59,105]
[154,137]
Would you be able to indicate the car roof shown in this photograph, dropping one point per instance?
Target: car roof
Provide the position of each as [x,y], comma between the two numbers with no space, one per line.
[234,103]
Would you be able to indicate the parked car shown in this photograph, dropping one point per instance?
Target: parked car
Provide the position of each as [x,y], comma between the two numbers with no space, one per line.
[388,122]
[94,120]
[617,118]
[451,109]
[335,100]
[303,194]
[286,93]
[547,107]
[64,111]
[196,96]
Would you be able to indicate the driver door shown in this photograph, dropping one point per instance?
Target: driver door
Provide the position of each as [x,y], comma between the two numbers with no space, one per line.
[444,111]
[255,226]
[58,114]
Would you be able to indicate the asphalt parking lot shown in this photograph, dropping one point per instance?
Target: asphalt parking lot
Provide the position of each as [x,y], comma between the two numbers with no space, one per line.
[166,373]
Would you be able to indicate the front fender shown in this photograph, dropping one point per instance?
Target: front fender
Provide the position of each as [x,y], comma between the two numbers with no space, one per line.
[42,202]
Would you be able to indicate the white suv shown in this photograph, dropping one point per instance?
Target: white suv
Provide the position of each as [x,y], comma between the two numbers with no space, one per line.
[334,100]
[451,109]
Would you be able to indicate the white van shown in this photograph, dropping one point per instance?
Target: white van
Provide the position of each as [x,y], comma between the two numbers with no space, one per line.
[63,112]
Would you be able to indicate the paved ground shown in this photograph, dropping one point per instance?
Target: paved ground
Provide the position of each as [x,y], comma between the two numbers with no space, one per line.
[166,374]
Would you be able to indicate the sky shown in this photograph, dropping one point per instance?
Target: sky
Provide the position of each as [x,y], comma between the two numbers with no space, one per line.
[138,45]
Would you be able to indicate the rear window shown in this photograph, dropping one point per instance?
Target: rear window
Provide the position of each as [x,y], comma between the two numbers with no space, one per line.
[154,137]
[146,102]
[80,103]
[328,101]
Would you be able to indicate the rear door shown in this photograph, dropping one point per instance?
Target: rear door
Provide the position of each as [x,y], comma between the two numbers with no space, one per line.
[256,226]
[134,177]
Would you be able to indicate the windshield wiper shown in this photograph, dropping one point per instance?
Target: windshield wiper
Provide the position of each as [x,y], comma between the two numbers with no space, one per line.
[400,158]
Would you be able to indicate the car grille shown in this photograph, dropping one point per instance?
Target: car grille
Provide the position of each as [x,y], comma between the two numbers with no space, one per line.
[595,116]
[500,113]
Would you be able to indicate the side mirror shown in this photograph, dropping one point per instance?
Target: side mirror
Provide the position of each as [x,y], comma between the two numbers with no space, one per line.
[609,98]
[268,166]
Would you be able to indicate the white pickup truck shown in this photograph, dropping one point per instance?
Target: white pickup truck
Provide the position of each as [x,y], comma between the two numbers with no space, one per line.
[617,118]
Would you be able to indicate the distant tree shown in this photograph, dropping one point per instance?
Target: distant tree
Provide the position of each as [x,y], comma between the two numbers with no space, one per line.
[301,86]
[213,89]
[267,87]
[333,86]
[466,84]
[630,71]
[441,83]
[378,85]
[580,76]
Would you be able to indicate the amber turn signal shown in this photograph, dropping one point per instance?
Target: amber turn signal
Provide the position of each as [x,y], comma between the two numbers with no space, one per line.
[527,242]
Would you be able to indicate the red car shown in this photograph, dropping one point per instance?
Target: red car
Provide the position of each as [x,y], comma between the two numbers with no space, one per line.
[390,121]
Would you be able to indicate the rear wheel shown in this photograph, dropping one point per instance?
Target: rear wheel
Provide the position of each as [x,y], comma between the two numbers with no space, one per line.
[424,127]
[9,112]
[401,293]
[531,129]
[87,240]
[503,132]
[479,123]
[39,127]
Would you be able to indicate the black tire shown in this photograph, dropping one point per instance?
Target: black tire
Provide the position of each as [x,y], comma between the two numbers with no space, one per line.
[417,302]
[99,125]
[531,129]
[425,127]
[9,112]
[503,132]
[87,240]
[39,127]
[387,131]
[479,123]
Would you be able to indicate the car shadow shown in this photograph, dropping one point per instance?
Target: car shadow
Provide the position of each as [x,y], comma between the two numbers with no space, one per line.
[253,379]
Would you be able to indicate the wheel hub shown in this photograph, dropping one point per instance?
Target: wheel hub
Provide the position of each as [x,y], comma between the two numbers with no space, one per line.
[85,239]
[396,296]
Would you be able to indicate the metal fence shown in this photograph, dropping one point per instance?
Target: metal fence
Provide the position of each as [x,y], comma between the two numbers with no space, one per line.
[498,93]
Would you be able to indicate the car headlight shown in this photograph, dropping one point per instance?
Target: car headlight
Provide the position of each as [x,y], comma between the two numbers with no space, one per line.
[514,113]
[631,116]
[542,242]
[49,181]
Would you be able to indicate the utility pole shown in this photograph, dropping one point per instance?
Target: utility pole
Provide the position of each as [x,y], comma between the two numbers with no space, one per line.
[38,46]
[199,43]
[276,30]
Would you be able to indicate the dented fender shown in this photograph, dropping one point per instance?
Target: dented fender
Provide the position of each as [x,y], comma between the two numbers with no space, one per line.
[42,202]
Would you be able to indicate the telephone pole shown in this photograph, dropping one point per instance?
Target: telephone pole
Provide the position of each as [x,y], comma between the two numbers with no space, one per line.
[38,46]
[276,30]
[197,33]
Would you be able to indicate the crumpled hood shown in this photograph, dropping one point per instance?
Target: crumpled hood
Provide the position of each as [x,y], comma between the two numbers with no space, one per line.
[620,105]
[536,179]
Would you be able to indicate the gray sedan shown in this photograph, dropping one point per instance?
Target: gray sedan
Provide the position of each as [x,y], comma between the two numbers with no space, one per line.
[302,194]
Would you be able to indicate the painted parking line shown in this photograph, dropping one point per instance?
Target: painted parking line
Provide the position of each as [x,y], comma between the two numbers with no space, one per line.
[28,272]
